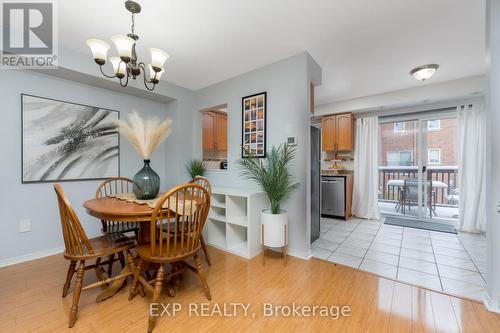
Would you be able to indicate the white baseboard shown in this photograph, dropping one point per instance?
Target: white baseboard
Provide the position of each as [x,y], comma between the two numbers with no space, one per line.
[492,305]
[30,256]
[305,255]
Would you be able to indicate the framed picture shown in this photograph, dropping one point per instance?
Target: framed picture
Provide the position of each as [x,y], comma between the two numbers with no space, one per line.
[254,111]
[64,141]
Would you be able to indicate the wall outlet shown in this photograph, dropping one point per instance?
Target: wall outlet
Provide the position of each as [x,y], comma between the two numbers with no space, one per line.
[24,225]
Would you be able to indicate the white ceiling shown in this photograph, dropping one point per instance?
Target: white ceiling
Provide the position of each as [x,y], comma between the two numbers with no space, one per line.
[365,47]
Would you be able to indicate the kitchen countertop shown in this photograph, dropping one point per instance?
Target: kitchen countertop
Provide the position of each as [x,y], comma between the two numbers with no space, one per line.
[337,172]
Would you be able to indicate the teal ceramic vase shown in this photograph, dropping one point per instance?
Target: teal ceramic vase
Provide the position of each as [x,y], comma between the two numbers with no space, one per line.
[146,183]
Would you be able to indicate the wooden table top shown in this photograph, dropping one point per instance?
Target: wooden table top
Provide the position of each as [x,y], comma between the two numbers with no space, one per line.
[114,209]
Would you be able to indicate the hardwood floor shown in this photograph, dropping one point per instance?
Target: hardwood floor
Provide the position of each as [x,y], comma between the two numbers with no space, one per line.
[30,300]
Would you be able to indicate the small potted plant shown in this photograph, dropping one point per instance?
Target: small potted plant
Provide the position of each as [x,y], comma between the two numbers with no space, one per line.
[195,168]
[272,175]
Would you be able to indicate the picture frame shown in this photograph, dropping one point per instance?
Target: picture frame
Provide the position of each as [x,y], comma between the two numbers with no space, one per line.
[253,127]
[66,141]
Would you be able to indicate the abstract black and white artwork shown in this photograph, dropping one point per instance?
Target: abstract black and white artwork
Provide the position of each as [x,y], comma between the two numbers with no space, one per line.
[64,141]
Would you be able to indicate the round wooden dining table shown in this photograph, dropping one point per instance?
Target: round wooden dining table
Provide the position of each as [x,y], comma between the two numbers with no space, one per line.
[120,211]
[116,210]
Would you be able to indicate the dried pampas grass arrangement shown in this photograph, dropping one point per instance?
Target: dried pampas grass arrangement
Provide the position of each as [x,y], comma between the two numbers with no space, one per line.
[145,135]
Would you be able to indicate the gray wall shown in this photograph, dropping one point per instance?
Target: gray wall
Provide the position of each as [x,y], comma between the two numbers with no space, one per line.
[37,201]
[287,86]
[286,83]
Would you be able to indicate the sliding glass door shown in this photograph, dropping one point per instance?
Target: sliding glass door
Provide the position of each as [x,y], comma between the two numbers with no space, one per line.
[417,167]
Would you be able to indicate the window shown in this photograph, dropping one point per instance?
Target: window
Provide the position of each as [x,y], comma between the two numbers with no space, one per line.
[434,125]
[434,156]
[399,127]
[400,158]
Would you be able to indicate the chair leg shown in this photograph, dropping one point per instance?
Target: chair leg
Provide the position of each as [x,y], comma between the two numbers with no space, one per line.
[110,265]
[76,293]
[201,276]
[121,257]
[205,251]
[137,272]
[69,276]
[100,273]
[132,266]
[156,295]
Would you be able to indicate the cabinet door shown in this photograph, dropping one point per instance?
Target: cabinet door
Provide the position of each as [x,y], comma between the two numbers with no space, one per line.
[221,132]
[209,130]
[328,133]
[344,132]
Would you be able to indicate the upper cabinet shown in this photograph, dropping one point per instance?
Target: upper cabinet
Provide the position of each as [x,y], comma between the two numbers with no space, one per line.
[214,131]
[328,133]
[221,132]
[338,133]
[209,130]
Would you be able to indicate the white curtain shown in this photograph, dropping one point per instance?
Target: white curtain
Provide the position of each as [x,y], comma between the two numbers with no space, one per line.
[365,193]
[471,155]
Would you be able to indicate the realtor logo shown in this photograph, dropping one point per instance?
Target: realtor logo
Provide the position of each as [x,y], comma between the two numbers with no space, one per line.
[29,38]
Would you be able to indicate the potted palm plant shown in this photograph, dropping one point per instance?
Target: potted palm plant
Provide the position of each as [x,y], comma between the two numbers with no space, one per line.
[272,175]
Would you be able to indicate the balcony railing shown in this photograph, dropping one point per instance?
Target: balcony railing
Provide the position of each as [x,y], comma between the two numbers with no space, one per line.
[444,174]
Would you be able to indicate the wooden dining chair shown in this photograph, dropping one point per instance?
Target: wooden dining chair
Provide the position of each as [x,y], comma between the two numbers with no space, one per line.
[112,186]
[186,208]
[206,185]
[79,248]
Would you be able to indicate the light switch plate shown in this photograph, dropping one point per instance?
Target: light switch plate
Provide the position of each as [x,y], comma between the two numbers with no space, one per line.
[24,225]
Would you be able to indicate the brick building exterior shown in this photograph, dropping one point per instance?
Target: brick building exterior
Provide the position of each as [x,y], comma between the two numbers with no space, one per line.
[398,143]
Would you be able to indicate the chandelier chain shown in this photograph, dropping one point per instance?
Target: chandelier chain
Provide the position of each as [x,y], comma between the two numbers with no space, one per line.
[133,23]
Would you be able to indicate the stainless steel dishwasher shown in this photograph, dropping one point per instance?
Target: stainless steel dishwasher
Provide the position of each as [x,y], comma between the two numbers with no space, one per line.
[333,196]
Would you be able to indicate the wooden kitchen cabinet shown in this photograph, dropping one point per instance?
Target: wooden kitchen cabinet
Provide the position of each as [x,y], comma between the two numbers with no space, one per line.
[338,133]
[328,133]
[214,131]
[209,130]
[221,132]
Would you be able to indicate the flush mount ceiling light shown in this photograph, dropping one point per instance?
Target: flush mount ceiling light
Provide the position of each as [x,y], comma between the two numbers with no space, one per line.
[126,64]
[424,72]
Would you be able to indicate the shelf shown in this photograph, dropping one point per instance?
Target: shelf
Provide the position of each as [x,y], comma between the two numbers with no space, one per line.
[217,213]
[241,221]
[236,210]
[218,200]
[236,239]
[218,205]
[217,217]
[216,231]
[233,223]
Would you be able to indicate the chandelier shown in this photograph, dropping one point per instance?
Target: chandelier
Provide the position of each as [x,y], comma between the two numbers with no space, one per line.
[126,65]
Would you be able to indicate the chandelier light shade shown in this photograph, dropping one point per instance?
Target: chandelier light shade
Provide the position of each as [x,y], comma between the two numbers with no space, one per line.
[158,58]
[424,72]
[119,67]
[154,75]
[124,45]
[126,65]
[99,50]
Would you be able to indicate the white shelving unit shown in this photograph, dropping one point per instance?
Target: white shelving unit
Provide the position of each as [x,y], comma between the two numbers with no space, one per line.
[233,223]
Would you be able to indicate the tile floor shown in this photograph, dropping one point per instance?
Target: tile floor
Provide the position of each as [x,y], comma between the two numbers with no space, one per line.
[436,260]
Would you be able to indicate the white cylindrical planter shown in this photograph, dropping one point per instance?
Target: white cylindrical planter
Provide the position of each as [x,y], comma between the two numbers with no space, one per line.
[274,228]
